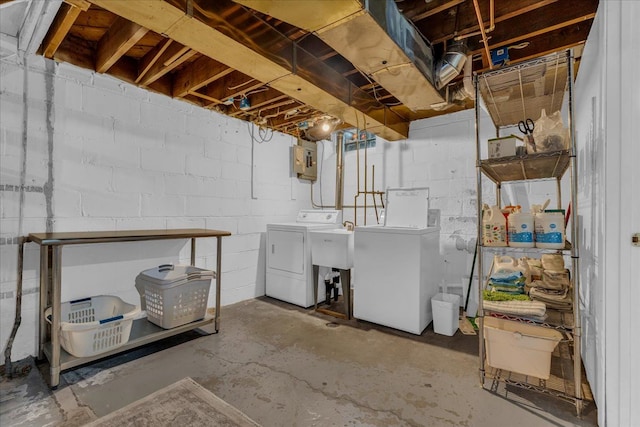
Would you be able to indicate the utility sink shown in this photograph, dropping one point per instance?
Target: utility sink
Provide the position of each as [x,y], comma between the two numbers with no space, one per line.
[332,248]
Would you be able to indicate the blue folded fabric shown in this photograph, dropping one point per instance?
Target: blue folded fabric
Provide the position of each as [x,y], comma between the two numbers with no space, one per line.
[507,276]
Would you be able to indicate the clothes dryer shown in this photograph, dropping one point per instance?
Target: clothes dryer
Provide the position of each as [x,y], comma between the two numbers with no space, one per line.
[289,275]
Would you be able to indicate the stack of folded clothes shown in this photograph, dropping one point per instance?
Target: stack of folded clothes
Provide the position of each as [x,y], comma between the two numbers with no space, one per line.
[511,282]
[514,304]
[554,287]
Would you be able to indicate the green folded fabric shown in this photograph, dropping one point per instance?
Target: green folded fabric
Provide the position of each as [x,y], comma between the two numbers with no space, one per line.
[503,296]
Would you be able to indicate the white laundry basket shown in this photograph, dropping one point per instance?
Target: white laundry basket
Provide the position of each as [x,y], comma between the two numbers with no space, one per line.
[95,325]
[174,295]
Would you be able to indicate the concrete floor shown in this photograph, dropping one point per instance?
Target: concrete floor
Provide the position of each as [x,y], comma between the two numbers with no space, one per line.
[286,366]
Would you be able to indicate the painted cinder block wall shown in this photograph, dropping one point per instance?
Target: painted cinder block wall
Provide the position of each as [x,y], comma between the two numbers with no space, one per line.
[94,153]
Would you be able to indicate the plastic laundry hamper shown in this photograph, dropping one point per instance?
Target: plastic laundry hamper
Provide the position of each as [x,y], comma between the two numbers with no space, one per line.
[174,295]
[95,325]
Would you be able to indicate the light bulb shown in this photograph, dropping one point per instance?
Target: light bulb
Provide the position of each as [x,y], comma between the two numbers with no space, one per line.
[326,127]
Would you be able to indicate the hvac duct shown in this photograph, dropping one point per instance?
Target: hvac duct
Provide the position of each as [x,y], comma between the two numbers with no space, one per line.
[372,35]
[450,65]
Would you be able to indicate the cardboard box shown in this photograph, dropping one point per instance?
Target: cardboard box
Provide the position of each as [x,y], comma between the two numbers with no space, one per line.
[502,147]
[519,347]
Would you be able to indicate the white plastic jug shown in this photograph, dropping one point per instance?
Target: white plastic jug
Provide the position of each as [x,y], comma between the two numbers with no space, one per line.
[549,226]
[504,263]
[521,230]
[494,226]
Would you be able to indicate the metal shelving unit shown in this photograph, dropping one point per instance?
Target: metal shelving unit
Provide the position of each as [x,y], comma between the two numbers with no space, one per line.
[511,94]
[142,331]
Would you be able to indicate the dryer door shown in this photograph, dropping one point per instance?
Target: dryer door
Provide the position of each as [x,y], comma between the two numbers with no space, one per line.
[286,251]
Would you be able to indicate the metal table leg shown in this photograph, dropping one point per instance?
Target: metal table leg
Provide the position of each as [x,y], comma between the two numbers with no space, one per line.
[55,315]
[218,277]
[44,299]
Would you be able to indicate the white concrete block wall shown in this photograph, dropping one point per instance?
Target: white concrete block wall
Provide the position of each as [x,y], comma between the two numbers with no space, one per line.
[123,158]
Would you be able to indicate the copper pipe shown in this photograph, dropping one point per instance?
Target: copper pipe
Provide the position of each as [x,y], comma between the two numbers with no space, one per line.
[373,185]
[482,31]
[492,25]
[365,178]
[339,171]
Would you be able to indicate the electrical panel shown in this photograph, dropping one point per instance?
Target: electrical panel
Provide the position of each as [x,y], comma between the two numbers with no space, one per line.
[305,156]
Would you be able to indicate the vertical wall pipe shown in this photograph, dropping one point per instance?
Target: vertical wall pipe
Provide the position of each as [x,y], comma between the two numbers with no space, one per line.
[575,249]
[339,171]
[479,243]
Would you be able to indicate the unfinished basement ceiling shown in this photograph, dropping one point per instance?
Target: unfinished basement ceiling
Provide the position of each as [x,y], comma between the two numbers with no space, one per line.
[221,54]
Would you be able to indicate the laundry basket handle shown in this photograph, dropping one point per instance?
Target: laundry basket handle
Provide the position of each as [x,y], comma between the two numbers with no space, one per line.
[165,267]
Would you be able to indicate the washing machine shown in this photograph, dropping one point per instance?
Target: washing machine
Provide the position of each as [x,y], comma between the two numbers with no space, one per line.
[289,275]
[397,266]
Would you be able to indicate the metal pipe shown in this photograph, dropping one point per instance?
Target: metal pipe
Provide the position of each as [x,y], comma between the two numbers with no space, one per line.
[366,165]
[484,34]
[480,312]
[575,248]
[373,185]
[339,171]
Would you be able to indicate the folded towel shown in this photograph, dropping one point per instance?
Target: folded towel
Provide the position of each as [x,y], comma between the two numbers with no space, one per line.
[507,276]
[491,295]
[556,299]
[519,308]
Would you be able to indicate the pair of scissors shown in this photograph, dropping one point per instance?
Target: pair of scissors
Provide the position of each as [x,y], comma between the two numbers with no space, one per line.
[526,126]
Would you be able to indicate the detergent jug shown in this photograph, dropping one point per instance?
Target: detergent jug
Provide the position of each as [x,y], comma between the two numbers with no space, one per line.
[521,230]
[504,264]
[549,227]
[494,226]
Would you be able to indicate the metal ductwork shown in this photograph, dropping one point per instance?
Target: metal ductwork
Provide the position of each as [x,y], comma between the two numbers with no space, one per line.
[374,36]
[451,64]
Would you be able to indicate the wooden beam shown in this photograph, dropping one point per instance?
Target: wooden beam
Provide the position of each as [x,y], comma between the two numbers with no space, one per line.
[506,16]
[231,86]
[537,33]
[243,54]
[175,55]
[257,104]
[198,74]
[436,10]
[151,58]
[62,23]
[117,41]
[83,5]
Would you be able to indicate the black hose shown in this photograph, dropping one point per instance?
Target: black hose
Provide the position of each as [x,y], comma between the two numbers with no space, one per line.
[18,319]
[473,264]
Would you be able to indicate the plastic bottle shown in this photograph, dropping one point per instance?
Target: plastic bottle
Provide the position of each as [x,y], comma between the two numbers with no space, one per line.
[549,226]
[494,226]
[521,230]
[504,263]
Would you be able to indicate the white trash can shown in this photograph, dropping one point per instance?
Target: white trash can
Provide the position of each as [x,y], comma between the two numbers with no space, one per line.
[445,313]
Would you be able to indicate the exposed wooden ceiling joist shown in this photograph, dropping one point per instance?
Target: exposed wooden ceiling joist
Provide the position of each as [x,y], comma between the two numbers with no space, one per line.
[121,37]
[160,45]
[174,56]
[200,73]
[61,25]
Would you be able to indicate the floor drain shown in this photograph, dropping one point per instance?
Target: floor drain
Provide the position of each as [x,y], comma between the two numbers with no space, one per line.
[332,325]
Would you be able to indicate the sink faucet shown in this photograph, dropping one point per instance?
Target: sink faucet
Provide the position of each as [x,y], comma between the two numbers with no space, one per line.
[348,225]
